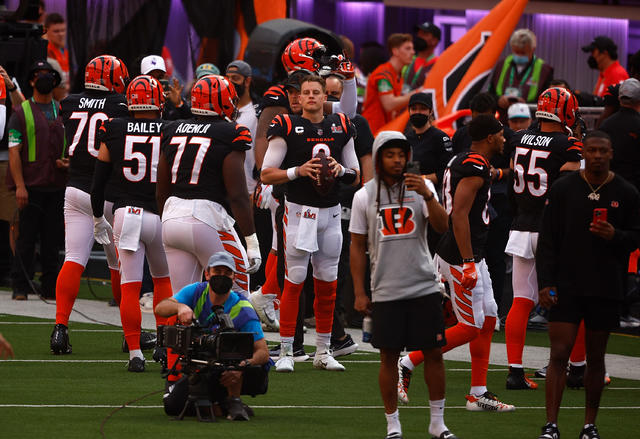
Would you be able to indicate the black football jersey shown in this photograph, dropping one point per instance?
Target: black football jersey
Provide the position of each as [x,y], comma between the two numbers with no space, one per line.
[195,151]
[83,115]
[304,139]
[463,165]
[134,148]
[537,159]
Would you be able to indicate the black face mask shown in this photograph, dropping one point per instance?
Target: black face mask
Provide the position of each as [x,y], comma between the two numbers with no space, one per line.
[592,62]
[45,83]
[220,284]
[419,44]
[239,89]
[418,120]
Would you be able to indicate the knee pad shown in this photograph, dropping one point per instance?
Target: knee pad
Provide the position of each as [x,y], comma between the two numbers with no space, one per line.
[296,274]
[325,269]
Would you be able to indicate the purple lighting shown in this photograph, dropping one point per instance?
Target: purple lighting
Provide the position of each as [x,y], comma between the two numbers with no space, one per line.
[361,21]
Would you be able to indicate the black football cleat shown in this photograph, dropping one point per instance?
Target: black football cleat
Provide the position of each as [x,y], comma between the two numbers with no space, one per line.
[60,340]
[136,364]
[446,435]
[575,377]
[550,431]
[236,410]
[590,432]
[516,380]
[147,341]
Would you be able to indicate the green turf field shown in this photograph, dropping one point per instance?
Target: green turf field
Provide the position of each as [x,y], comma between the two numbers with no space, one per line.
[66,397]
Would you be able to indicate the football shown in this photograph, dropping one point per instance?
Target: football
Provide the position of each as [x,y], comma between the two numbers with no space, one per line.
[326,180]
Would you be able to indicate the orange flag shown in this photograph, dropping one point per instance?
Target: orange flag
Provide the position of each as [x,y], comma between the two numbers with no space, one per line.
[461,69]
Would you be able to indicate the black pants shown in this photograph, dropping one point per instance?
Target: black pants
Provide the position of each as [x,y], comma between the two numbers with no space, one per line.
[42,218]
[496,243]
[6,257]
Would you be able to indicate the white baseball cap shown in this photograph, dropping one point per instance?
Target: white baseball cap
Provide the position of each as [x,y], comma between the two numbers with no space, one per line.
[151,63]
[519,110]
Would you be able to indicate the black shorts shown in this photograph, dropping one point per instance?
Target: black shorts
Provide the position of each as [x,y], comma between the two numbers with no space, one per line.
[413,324]
[599,314]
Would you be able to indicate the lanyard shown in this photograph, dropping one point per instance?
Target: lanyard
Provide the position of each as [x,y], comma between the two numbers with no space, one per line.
[525,76]
[55,111]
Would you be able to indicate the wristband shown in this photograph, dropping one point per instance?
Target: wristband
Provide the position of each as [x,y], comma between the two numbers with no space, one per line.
[468,260]
[348,177]
[341,171]
[292,173]
[11,90]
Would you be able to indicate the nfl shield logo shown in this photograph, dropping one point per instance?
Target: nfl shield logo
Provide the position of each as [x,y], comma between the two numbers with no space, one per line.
[320,131]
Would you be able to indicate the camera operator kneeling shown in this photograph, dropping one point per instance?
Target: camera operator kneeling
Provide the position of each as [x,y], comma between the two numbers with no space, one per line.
[208,303]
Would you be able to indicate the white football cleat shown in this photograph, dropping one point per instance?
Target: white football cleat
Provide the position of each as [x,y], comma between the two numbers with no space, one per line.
[487,402]
[263,305]
[324,360]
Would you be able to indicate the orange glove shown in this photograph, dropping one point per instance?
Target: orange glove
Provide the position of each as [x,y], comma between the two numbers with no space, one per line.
[469,275]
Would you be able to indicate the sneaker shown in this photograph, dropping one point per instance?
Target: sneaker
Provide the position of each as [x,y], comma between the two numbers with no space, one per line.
[263,305]
[299,355]
[19,296]
[589,432]
[236,410]
[136,364]
[394,435]
[344,347]
[575,376]
[324,360]
[60,340]
[550,431]
[445,435]
[516,380]
[147,341]
[542,372]
[146,302]
[629,322]
[404,379]
[285,364]
[487,402]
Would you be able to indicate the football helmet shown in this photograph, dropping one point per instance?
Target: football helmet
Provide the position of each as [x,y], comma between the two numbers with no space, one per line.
[145,93]
[558,105]
[106,73]
[303,54]
[213,95]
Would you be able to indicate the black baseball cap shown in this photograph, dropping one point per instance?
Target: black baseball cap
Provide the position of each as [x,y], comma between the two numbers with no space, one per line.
[602,43]
[421,98]
[429,27]
[44,65]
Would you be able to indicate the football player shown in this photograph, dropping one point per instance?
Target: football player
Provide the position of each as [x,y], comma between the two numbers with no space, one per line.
[460,259]
[312,223]
[130,148]
[539,158]
[106,78]
[201,167]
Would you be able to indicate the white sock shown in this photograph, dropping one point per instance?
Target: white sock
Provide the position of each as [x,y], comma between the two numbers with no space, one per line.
[577,363]
[436,425]
[323,341]
[135,353]
[286,346]
[406,362]
[517,366]
[478,390]
[393,422]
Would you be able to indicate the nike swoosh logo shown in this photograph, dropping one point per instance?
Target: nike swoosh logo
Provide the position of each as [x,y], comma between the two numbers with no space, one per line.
[274,97]
[336,215]
[478,167]
[122,103]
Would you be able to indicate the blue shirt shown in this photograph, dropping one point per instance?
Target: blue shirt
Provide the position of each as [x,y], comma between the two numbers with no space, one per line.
[239,309]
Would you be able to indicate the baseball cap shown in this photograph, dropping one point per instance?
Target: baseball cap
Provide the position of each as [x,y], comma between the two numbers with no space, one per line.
[602,43]
[151,63]
[44,65]
[206,69]
[221,259]
[429,27]
[421,98]
[630,89]
[519,110]
[240,67]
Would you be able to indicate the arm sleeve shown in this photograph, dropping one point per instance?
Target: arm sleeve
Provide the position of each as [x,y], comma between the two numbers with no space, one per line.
[358,222]
[276,153]
[349,158]
[3,119]
[349,100]
[101,174]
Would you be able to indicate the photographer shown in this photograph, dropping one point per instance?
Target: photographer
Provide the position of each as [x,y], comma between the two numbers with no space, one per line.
[197,301]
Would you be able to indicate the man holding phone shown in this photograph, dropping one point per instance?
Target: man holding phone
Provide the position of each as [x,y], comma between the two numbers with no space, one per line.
[595,214]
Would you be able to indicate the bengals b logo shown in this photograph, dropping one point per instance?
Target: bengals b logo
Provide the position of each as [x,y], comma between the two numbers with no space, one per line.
[396,221]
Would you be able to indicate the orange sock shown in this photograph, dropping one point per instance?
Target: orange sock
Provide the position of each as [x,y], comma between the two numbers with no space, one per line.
[480,348]
[579,353]
[67,286]
[458,335]
[323,304]
[171,357]
[516,329]
[271,273]
[416,357]
[289,308]
[115,285]
[130,313]
[161,290]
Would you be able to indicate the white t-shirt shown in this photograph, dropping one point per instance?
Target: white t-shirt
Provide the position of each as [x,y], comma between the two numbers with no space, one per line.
[247,117]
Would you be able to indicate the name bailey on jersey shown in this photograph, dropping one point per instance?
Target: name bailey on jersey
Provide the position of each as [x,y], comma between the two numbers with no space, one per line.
[144,127]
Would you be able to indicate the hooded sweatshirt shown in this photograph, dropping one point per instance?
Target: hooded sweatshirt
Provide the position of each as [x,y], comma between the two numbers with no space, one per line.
[401,266]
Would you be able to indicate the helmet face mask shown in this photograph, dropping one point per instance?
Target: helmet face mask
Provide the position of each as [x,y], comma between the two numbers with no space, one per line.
[145,93]
[106,73]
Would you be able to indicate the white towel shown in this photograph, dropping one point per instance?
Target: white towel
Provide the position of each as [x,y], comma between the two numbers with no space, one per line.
[307,235]
[131,228]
